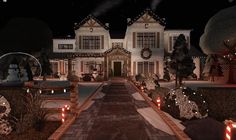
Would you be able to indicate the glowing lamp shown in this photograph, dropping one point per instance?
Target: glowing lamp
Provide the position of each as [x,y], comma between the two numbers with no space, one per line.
[158,102]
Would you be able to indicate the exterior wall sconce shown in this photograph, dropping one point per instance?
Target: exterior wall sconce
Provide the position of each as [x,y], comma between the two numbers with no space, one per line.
[146,25]
[91,29]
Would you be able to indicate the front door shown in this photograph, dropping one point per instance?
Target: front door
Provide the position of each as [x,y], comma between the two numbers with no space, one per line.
[117,68]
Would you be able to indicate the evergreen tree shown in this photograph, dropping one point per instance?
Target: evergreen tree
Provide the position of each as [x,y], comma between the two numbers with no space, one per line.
[181,63]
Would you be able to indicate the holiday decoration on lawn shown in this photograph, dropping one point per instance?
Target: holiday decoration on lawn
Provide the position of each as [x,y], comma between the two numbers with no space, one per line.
[13,72]
[146,53]
[230,125]
[219,38]
[63,115]
[5,127]
[185,103]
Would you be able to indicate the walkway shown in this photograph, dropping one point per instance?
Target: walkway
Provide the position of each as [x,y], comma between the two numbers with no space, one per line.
[115,117]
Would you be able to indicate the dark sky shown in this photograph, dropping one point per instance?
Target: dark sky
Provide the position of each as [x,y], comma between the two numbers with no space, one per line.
[61,15]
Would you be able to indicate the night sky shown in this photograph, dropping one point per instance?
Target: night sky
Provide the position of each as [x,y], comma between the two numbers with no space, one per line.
[60,15]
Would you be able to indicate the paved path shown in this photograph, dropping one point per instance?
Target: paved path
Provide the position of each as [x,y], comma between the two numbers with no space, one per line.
[115,117]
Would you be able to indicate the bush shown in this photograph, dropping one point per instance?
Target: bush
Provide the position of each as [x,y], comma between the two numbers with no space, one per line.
[87,77]
[185,104]
[221,102]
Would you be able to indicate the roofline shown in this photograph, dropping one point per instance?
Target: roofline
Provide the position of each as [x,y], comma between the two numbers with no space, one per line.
[152,14]
[90,16]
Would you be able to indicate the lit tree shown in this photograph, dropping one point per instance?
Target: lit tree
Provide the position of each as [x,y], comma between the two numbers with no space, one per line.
[181,63]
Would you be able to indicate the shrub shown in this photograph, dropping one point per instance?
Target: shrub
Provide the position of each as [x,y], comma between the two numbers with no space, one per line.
[221,102]
[185,103]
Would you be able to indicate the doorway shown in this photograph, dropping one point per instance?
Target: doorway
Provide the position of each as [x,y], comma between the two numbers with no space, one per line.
[117,68]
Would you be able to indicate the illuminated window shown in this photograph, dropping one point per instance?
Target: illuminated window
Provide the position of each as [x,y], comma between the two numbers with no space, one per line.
[65,46]
[90,42]
[145,67]
[147,40]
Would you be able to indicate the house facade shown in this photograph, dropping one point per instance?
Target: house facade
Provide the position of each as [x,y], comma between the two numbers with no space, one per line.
[141,50]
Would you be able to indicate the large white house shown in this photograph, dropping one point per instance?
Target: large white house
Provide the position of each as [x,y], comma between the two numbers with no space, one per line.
[140,51]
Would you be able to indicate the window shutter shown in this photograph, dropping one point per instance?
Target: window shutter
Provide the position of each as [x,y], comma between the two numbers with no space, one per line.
[134,39]
[158,40]
[82,66]
[170,43]
[80,42]
[134,68]
[157,67]
[102,42]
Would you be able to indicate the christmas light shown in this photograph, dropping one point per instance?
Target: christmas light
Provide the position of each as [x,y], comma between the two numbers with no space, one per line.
[52,91]
[27,90]
[65,107]
[64,90]
[40,91]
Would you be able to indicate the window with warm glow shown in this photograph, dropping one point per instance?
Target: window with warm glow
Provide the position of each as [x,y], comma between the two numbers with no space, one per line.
[147,40]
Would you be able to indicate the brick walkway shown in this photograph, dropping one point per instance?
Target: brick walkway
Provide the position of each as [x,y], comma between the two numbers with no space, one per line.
[114,117]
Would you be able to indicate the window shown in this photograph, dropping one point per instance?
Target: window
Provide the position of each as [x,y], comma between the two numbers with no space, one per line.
[145,67]
[66,66]
[65,46]
[54,65]
[147,40]
[91,42]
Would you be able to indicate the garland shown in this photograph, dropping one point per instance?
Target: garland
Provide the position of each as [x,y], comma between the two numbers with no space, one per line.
[143,53]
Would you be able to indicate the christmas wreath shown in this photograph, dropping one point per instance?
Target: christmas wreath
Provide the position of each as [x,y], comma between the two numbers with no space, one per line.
[146,53]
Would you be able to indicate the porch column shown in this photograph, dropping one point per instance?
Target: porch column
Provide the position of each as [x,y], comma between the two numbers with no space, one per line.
[69,67]
[105,68]
[129,66]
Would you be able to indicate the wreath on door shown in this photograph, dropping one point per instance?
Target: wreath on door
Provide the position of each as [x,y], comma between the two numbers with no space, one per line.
[146,53]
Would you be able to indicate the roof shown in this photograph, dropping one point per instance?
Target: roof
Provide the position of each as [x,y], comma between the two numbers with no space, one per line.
[77,26]
[151,13]
[196,52]
[74,55]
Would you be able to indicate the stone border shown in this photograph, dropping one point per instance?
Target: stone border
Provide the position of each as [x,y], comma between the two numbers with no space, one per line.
[177,131]
[62,129]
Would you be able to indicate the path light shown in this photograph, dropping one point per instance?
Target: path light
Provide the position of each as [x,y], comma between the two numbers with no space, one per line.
[159,102]
[229,126]
[65,107]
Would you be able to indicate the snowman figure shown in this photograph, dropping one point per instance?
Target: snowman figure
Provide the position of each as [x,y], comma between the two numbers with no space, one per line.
[13,72]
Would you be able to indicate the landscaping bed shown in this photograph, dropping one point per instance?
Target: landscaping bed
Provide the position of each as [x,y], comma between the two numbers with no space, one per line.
[32,134]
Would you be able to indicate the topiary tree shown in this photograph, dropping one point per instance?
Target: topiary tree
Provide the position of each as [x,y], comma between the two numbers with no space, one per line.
[181,63]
